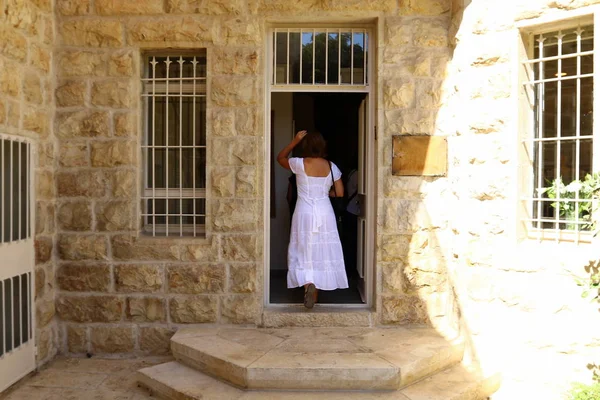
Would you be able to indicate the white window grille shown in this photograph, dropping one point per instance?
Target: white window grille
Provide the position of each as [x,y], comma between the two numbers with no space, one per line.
[174,149]
[16,253]
[560,82]
[306,56]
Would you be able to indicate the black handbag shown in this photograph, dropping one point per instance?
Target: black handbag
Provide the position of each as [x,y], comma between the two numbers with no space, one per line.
[338,205]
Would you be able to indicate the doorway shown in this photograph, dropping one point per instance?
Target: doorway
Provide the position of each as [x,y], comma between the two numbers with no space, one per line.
[341,119]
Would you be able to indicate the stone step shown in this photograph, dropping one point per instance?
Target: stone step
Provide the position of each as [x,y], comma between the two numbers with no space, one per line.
[297,316]
[175,381]
[316,358]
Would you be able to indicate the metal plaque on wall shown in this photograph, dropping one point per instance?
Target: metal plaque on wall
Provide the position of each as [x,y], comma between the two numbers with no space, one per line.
[419,155]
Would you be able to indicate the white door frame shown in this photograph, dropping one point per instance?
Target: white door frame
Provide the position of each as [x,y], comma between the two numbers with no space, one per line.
[371,199]
[18,259]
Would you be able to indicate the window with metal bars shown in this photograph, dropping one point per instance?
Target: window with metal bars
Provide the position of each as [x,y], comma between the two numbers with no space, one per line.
[307,56]
[174,147]
[561,81]
[14,189]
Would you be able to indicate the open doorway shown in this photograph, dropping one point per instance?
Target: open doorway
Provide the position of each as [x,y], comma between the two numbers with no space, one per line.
[340,119]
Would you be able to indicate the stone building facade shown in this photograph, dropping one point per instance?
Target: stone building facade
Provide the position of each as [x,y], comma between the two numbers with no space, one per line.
[449,250]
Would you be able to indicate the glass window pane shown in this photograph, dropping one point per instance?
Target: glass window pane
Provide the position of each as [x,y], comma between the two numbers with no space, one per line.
[281,54]
[568,108]
[200,127]
[201,168]
[333,71]
[359,58]
[307,57]
[187,159]
[587,106]
[585,158]
[320,57]
[174,168]
[346,62]
[294,61]
[549,109]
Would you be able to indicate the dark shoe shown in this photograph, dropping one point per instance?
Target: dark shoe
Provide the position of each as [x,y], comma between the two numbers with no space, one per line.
[310,296]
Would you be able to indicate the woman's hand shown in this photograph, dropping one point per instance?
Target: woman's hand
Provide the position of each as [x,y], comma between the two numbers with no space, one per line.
[299,136]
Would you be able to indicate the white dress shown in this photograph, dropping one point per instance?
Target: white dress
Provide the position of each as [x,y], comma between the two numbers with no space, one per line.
[315,251]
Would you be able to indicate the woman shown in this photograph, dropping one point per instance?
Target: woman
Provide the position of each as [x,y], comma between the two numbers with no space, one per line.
[315,257]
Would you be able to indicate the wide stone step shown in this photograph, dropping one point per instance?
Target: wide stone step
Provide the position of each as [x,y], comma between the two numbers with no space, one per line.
[316,358]
[317,317]
[175,381]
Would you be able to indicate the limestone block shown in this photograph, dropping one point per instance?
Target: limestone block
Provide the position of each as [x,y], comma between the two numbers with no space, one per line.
[71,93]
[44,5]
[76,339]
[243,278]
[22,15]
[124,125]
[206,7]
[398,93]
[106,339]
[398,32]
[171,30]
[429,93]
[82,247]
[123,183]
[223,122]
[234,61]
[138,278]
[422,282]
[193,309]
[121,64]
[246,182]
[10,79]
[89,308]
[81,63]
[44,218]
[43,249]
[44,311]
[75,216]
[48,35]
[278,6]
[485,186]
[37,121]
[239,31]
[392,277]
[73,7]
[240,309]
[235,91]
[196,279]
[115,94]
[406,62]
[81,183]
[40,58]
[2,112]
[43,343]
[83,278]
[156,340]
[404,310]
[114,216]
[146,309]
[244,152]
[235,215]
[46,155]
[114,153]
[411,121]
[131,7]
[92,33]
[45,189]
[14,114]
[431,33]
[128,247]
[247,121]
[223,181]
[40,282]
[424,7]
[239,248]
[81,124]
[13,45]
[571,4]
[204,252]
[73,155]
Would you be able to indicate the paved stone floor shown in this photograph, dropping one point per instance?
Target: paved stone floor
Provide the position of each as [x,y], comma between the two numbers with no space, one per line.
[83,379]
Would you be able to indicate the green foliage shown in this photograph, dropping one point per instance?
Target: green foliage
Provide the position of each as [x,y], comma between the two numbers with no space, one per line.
[570,210]
[591,283]
[580,391]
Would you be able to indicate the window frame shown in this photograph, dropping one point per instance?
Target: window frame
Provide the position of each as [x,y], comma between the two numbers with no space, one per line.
[525,169]
[197,91]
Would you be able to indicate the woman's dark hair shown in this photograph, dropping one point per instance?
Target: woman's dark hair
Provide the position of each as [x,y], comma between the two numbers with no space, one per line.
[313,145]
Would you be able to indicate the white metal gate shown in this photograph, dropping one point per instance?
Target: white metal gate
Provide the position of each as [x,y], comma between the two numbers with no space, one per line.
[17,348]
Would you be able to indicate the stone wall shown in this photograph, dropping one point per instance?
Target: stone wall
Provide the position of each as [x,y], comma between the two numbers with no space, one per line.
[520,306]
[26,109]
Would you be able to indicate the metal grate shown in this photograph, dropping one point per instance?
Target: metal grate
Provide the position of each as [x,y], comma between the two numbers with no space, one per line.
[15,305]
[14,190]
[562,141]
[320,56]
[174,89]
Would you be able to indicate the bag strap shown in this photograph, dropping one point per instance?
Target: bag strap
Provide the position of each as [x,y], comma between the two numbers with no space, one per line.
[332,181]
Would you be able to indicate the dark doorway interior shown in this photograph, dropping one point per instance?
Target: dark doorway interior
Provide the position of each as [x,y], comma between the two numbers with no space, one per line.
[335,115]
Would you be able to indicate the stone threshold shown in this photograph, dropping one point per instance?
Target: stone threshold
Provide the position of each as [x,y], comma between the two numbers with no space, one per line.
[330,316]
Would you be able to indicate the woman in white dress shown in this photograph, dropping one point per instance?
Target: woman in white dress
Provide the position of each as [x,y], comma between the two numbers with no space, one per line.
[315,257]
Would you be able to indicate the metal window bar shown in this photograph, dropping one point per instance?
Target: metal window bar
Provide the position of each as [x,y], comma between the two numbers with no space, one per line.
[352,57]
[169,208]
[2,185]
[559,139]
